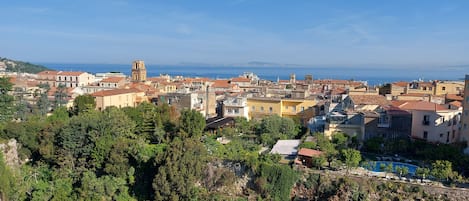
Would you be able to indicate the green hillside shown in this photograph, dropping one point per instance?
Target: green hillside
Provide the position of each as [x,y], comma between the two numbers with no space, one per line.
[26,67]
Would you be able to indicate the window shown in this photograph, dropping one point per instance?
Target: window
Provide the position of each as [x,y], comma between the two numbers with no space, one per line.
[270,109]
[236,110]
[443,88]
[230,111]
[425,134]
[302,109]
[253,108]
[454,133]
[441,134]
[262,108]
[426,120]
[65,78]
[294,108]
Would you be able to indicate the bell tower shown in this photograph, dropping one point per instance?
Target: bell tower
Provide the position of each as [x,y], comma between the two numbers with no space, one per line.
[139,72]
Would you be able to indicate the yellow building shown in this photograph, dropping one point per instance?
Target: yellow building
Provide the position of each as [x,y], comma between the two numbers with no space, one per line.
[449,87]
[261,107]
[118,98]
[293,107]
[420,88]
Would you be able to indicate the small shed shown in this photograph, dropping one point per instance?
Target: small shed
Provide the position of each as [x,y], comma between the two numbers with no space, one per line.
[305,156]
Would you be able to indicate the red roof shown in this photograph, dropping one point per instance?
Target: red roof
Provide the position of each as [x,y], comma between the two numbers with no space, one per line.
[221,84]
[157,79]
[456,103]
[70,73]
[400,84]
[422,105]
[454,97]
[369,100]
[240,79]
[309,152]
[112,79]
[114,92]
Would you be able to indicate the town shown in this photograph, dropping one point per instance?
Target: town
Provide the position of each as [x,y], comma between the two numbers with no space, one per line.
[429,111]
[346,112]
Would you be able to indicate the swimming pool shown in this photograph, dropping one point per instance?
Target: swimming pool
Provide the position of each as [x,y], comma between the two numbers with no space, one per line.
[377,166]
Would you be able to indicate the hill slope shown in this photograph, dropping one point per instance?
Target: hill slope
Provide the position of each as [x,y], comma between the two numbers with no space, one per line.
[25,67]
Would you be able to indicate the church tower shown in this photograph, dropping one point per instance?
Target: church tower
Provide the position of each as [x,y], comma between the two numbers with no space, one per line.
[139,72]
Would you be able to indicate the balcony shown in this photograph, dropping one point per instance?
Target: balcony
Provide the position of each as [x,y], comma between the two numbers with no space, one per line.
[235,104]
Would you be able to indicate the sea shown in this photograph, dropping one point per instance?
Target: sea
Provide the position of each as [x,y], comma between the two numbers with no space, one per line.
[373,76]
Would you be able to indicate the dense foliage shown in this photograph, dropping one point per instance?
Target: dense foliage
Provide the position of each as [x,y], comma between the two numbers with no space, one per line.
[24,67]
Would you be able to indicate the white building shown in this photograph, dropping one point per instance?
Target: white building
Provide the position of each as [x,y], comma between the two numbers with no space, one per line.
[235,107]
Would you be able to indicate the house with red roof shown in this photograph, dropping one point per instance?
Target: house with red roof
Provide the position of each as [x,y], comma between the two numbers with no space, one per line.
[306,156]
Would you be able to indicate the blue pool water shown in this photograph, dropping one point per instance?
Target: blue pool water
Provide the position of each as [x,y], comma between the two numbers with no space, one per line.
[410,167]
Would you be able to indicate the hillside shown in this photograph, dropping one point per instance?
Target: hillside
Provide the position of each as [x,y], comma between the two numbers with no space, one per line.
[26,67]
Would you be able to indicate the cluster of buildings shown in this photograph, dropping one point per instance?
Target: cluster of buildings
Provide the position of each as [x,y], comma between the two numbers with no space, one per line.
[436,111]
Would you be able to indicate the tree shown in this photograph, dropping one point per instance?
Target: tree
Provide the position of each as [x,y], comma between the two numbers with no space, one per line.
[340,140]
[351,158]
[422,173]
[43,103]
[192,123]
[83,103]
[327,147]
[6,100]
[60,96]
[6,180]
[442,169]
[319,161]
[275,181]
[243,125]
[183,165]
[402,170]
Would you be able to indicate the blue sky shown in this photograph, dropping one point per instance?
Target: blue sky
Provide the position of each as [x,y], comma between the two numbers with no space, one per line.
[316,33]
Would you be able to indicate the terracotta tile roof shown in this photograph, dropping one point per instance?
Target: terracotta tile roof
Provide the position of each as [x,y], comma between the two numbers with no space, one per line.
[157,79]
[48,72]
[221,84]
[456,103]
[454,97]
[114,92]
[400,84]
[369,100]
[422,105]
[398,103]
[70,73]
[425,84]
[112,79]
[309,152]
[338,91]
[240,79]
[394,110]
